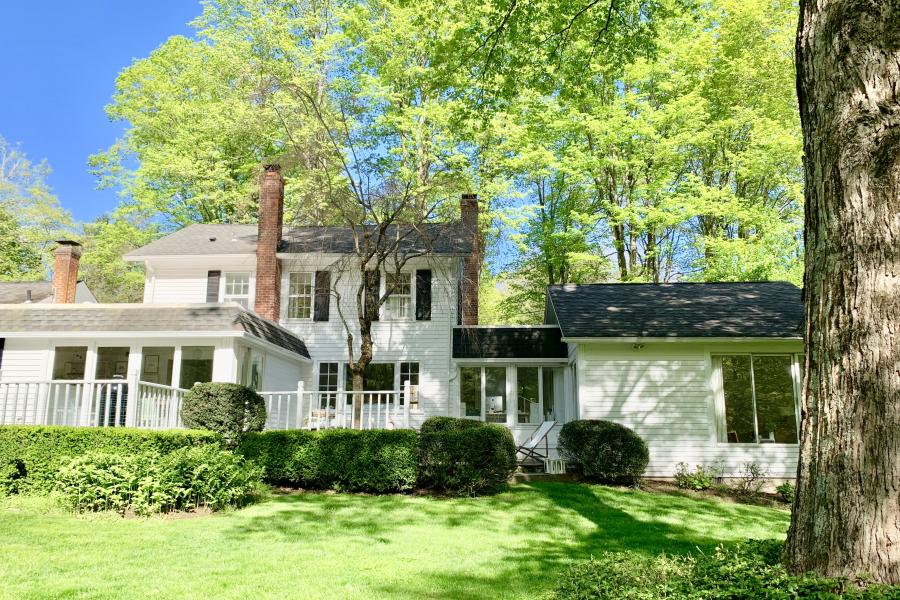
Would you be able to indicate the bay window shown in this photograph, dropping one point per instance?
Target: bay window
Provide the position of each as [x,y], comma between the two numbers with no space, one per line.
[758,398]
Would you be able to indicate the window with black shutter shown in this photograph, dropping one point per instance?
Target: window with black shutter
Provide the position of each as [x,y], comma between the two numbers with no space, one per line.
[323,296]
[212,285]
[423,295]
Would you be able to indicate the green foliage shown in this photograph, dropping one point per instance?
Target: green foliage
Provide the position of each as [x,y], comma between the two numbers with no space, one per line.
[31,218]
[750,481]
[105,241]
[33,455]
[750,571]
[701,478]
[375,461]
[462,456]
[441,424]
[226,408]
[146,483]
[786,490]
[604,450]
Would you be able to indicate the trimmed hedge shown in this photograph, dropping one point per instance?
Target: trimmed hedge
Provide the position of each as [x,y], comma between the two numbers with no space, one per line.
[375,461]
[228,408]
[30,456]
[463,456]
[748,571]
[604,450]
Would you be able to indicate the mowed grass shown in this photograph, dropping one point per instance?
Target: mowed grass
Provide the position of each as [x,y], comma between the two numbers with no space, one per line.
[312,545]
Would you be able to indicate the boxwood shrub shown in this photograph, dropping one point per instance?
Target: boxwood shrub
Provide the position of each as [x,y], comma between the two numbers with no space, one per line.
[462,456]
[748,571]
[227,408]
[604,450]
[375,461]
[30,456]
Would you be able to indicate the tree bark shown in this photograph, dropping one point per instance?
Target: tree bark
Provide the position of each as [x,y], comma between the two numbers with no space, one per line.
[846,518]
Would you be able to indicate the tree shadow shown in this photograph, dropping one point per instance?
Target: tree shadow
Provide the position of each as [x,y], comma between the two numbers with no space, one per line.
[537,530]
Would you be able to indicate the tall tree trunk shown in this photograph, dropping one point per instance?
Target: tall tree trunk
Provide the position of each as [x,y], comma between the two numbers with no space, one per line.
[846,516]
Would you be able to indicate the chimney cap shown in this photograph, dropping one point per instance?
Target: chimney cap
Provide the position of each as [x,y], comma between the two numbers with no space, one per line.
[272,168]
[68,243]
[470,196]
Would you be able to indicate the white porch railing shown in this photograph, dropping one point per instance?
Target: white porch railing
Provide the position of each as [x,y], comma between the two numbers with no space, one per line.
[145,405]
[387,409]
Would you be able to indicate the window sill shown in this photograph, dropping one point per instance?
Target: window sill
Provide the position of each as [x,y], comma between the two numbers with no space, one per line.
[757,445]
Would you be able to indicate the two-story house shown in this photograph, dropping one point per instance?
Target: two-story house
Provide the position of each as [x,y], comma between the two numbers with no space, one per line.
[707,373]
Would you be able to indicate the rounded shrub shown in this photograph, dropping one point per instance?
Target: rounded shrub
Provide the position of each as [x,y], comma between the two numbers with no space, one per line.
[465,458]
[604,450]
[227,408]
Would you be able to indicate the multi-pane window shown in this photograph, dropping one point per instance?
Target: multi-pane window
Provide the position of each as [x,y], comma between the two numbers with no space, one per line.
[399,303]
[300,295]
[237,289]
[759,396]
[328,382]
[536,395]
[409,371]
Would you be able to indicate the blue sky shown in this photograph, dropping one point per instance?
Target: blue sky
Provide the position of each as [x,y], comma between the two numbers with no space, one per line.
[61,59]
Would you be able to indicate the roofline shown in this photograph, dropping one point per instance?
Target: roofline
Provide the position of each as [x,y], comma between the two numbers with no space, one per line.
[143,257]
[540,326]
[647,283]
[681,338]
[279,255]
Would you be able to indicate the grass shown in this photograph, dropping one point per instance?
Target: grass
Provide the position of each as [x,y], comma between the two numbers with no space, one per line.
[512,545]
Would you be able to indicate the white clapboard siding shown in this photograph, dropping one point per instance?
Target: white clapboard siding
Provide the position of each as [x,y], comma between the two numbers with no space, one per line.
[664,393]
[24,360]
[425,342]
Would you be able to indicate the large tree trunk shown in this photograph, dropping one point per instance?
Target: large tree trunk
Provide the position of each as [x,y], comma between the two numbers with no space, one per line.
[846,518]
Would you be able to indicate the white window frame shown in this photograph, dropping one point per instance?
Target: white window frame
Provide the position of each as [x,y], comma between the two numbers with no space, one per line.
[414,388]
[395,298]
[224,296]
[722,426]
[311,295]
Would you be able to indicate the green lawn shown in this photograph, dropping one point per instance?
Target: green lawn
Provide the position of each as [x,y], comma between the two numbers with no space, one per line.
[340,546]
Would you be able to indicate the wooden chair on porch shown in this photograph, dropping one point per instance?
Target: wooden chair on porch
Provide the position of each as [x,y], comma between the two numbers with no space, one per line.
[529,450]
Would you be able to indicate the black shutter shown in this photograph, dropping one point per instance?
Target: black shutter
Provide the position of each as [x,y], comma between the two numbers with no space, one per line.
[371,300]
[2,344]
[322,302]
[212,285]
[423,295]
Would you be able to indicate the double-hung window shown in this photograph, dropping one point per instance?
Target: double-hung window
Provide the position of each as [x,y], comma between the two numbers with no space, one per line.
[300,295]
[758,399]
[237,289]
[409,372]
[328,383]
[399,303]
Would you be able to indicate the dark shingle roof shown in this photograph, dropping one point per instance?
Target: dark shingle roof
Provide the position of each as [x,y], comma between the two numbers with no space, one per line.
[508,342]
[766,309]
[212,239]
[187,318]
[16,292]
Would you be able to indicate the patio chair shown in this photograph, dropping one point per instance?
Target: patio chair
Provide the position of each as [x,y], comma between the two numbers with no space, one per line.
[529,450]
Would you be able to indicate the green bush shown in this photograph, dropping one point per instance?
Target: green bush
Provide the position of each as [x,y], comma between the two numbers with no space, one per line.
[438,424]
[747,571]
[701,478]
[227,408]
[604,450]
[375,461]
[31,456]
[185,479]
[461,458]
[786,491]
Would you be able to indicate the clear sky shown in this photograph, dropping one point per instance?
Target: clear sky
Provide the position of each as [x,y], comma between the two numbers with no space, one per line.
[60,61]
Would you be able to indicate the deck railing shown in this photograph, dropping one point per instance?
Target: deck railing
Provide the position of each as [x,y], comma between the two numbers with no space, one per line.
[145,405]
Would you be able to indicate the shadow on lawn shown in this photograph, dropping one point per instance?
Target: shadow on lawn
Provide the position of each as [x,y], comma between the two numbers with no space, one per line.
[539,529]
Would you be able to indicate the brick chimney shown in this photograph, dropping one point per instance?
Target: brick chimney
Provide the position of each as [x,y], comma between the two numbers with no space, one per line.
[271,215]
[65,271]
[468,208]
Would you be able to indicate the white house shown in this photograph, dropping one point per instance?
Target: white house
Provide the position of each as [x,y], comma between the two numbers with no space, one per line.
[705,373]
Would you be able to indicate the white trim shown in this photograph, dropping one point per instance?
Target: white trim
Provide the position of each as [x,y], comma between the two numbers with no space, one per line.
[139,258]
[510,361]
